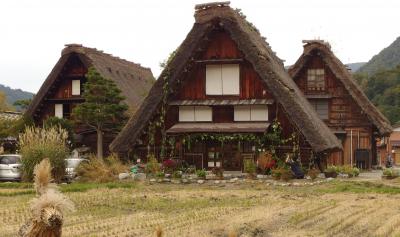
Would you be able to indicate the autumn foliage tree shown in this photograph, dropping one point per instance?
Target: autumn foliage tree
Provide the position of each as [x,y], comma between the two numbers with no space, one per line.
[103,109]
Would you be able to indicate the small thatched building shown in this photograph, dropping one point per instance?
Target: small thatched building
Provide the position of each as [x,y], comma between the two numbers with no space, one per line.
[340,103]
[62,90]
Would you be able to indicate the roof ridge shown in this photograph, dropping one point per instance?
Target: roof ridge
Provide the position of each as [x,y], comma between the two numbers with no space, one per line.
[81,49]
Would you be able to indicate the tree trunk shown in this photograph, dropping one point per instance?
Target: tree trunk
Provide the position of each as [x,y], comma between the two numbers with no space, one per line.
[99,143]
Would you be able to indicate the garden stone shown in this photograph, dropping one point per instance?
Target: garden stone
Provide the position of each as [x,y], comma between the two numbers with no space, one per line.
[223,181]
[153,180]
[200,181]
[217,182]
[122,176]
[185,181]
[329,179]
[296,184]
[175,181]
[166,180]
[260,176]
[167,175]
[233,180]
[140,177]
[321,175]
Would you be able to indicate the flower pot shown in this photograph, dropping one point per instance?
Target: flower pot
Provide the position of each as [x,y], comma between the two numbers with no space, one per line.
[313,173]
[286,175]
[330,174]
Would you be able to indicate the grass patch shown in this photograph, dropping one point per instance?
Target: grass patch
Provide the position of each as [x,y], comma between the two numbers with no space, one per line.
[358,187]
[27,188]
[83,187]
[16,185]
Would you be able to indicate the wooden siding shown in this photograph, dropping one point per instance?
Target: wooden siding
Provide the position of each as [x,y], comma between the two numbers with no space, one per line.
[344,113]
[219,48]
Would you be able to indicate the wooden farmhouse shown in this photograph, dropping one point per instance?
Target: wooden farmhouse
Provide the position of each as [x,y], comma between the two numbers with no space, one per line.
[63,88]
[340,103]
[217,98]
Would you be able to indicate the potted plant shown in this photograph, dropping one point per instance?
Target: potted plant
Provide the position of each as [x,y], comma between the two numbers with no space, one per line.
[286,174]
[276,174]
[201,174]
[313,173]
[219,172]
[250,168]
[389,173]
[331,172]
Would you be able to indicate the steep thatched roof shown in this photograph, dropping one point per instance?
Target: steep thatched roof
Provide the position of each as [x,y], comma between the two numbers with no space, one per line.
[132,79]
[339,69]
[257,52]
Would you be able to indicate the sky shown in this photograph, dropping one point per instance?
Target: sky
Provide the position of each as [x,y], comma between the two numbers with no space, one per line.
[33,32]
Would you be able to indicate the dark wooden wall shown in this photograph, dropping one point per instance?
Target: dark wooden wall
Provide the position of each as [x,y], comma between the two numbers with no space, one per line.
[221,47]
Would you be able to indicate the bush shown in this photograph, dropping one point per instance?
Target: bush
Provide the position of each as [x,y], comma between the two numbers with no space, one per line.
[177,174]
[169,165]
[152,166]
[219,172]
[250,166]
[37,144]
[390,173]
[101,170]
[201,174]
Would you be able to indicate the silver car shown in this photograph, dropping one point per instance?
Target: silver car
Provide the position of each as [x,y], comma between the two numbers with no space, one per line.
[70,165]
[10,167]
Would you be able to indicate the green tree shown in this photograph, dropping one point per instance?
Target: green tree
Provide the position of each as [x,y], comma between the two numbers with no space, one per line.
[4,106]
[22,104]
[103,109]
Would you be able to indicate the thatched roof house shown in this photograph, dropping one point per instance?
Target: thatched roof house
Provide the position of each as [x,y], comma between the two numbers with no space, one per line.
[132,79]
[341,72]
[255,50]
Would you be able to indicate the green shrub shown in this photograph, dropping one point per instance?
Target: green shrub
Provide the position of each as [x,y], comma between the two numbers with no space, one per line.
[152,166]
[39,143]
[333,169]
[250,166]
[101,170]
[356,171]
[201,173]
[390,172]
[177,174]
[160,174]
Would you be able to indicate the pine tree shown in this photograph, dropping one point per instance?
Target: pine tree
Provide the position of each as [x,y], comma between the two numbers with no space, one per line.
[103,109]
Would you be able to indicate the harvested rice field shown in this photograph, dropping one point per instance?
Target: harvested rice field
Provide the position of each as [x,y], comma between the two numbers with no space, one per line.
[336,208]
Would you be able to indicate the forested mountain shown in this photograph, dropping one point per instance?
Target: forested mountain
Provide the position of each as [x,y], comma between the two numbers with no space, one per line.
[388,58]
[13,95]
[355,66]
[383,89]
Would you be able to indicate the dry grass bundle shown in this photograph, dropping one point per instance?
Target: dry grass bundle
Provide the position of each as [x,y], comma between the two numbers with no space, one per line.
[47,210]
[39,143]
[101,170]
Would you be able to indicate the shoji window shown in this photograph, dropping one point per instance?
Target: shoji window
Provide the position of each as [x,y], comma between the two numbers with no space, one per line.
[222,79]
[58,110]
[195,114]
[316,79]
[251,113]
[76,87]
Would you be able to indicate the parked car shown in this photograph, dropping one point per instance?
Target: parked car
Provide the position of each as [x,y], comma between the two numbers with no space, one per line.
[70,167]
[10,167]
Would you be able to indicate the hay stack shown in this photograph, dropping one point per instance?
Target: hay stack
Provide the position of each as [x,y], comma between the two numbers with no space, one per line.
[48,208]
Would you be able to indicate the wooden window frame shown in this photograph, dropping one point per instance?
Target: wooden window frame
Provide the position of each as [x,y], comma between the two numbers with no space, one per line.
[210,92]
[315,77]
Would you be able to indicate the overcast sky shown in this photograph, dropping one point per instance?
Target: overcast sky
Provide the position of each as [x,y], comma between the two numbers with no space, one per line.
[33,32]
